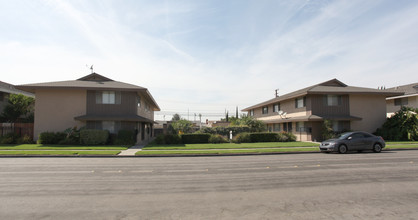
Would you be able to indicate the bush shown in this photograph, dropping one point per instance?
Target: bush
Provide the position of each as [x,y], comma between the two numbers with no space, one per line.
[10,138]
[94,137]
[26,139]
[263,137]
[289,136]
[195,138]
[217,139]
[125,137]
[225,130]
[168,139]
[243,138]
[51,137]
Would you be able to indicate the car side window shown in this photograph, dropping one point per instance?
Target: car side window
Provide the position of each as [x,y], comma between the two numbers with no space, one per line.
[356,136]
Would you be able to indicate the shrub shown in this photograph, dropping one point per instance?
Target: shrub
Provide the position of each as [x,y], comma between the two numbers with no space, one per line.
[195,138]
[93,137]
[172,139]
[289,136]
[217,139]
[125,137]
[51,137]
[263,137]
[10,138]
[243,138]
[26,139]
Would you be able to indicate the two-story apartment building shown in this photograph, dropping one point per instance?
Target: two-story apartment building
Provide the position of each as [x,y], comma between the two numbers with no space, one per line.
[303,112]
[409,98]
[95,102]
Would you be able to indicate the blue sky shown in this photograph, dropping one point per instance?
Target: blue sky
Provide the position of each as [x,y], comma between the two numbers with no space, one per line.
[208,56]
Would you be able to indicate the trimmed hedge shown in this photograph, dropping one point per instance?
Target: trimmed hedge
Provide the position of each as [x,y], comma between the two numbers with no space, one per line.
[225,130]
[168,139]
[217,139]
[243,138]
[51,137]
[263,137]
[93,137]
[125,137]
[195,138]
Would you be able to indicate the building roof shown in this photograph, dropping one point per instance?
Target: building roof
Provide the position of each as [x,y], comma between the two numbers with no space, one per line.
[92,81]
[409,90]
[278,119]
[11,89]
[333,86]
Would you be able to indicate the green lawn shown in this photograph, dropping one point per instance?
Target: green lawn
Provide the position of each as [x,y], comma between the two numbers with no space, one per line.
[229,146]
[243,151]
[59,147]
[59,152]
[401,142]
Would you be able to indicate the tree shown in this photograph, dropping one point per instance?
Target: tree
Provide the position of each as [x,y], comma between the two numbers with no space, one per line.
[402,126]
[18,108]
[176,117]
[245,120]
[180,127]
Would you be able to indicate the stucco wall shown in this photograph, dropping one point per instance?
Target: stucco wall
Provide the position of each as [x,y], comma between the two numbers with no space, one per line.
[55,110]
[372,110]
[391,108]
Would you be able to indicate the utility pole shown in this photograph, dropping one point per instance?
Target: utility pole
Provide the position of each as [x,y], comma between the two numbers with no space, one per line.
[188,119]
[200,121]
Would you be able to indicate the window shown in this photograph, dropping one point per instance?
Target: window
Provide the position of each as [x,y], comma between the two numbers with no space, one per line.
[300,102]
[401,101]
[108,97]
[333,100]
[265,110]
[287,127]
[108,125]
[252,112]
[276,107]
[300,126]
[276,127]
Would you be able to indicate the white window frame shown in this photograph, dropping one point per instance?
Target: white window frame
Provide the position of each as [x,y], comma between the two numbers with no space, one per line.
[108,97]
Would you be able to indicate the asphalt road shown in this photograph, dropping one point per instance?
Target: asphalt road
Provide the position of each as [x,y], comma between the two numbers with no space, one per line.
[289,186]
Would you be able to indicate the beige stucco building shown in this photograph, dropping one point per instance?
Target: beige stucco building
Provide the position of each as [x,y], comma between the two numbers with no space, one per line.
[408,99]
[95,102]
[303,112]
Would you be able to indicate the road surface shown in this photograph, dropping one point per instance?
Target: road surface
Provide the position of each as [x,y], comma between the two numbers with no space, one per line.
[289,186]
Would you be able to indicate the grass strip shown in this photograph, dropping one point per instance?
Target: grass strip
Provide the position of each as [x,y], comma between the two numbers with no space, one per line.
[59,147]
[186,152]
[48,152]
[402,146]
[401,142]
[229,146]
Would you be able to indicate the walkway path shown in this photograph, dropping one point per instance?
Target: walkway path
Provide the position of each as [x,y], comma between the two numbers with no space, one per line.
[131,151]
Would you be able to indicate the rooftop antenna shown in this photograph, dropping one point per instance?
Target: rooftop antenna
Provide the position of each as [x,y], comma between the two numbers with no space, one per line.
[91,68]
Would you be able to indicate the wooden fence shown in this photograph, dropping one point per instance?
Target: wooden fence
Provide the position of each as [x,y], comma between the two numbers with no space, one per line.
[20,129]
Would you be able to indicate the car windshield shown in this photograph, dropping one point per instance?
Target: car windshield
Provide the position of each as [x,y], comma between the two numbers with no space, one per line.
[344,135]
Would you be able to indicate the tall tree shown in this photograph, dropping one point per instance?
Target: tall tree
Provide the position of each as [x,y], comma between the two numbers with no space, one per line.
[176,117]
[18,108]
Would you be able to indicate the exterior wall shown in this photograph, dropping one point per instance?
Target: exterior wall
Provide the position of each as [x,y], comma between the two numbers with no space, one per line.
[372,110]
[55,110]
[287,106]
[391,108]
[320,107]
[142,111]
[127,105]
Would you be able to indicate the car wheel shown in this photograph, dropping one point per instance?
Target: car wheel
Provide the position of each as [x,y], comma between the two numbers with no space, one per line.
[377,148]
[342,149]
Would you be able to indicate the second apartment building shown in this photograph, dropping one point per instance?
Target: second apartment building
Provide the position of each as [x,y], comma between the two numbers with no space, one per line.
[303,112]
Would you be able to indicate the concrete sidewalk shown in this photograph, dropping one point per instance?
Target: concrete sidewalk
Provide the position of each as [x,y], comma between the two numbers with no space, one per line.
[131,151]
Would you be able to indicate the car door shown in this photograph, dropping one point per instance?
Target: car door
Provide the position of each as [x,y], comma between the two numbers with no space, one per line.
[368,142]
[355,141]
